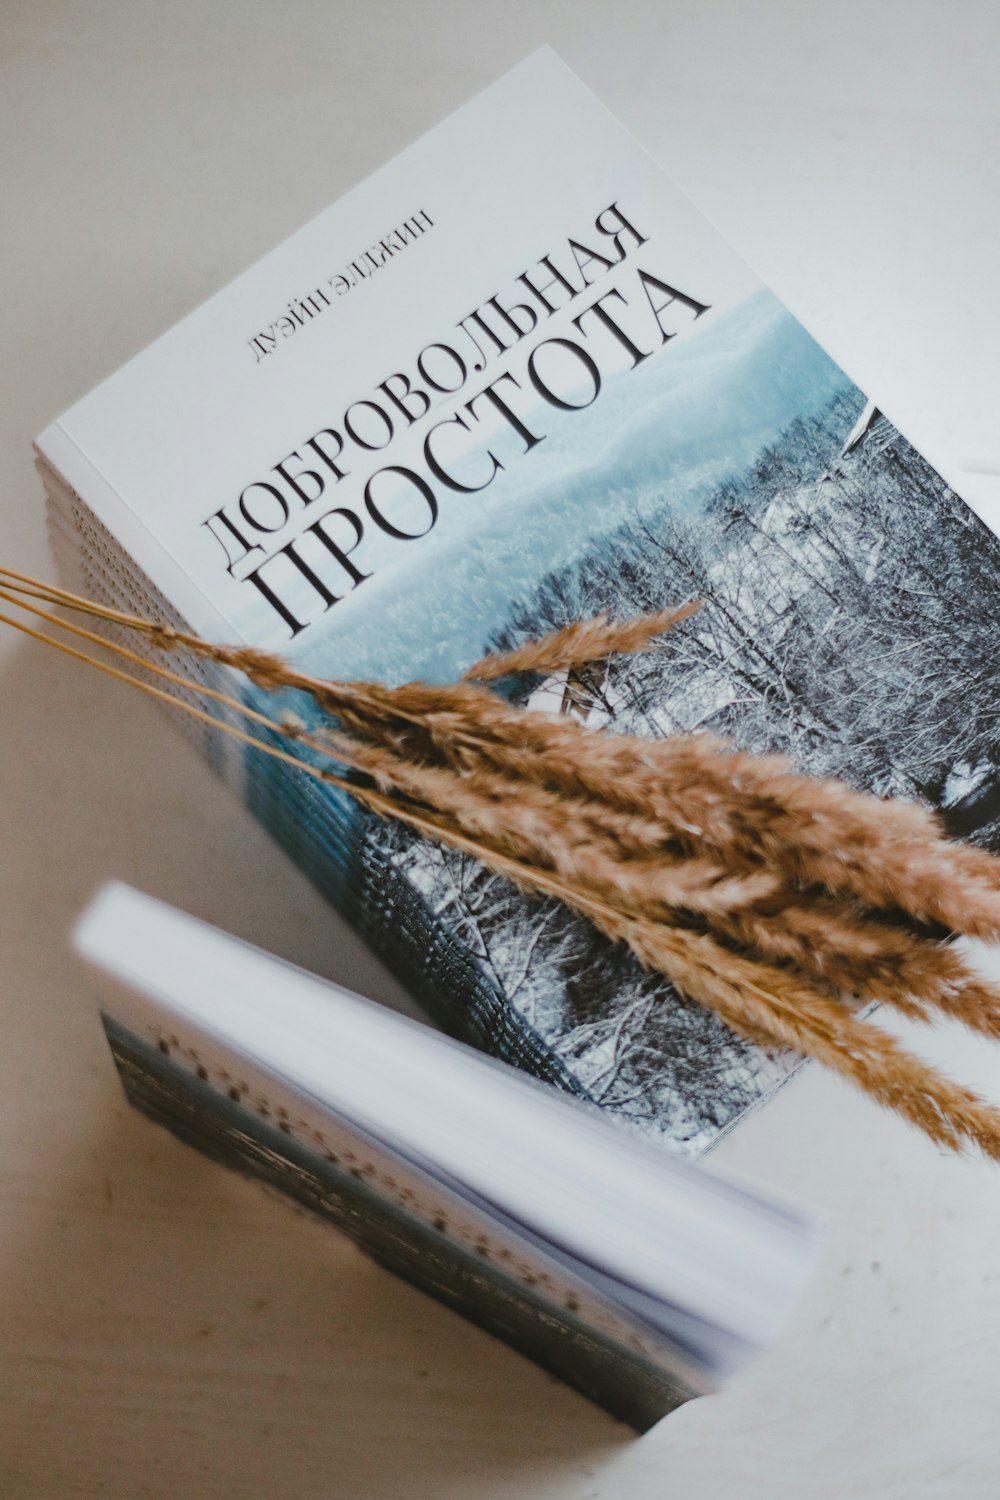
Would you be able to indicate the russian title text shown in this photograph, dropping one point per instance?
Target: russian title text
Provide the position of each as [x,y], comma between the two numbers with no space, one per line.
[281,538]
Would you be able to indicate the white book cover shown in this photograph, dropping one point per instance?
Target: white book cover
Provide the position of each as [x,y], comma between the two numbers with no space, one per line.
[512,379]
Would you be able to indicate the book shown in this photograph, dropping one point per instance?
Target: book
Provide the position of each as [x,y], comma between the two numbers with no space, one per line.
[639,1279]
[512,379]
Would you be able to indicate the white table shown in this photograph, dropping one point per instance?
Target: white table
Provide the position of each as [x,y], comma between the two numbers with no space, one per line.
[168,1331]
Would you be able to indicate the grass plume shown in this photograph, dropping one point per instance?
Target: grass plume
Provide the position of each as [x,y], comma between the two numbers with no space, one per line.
[778,900]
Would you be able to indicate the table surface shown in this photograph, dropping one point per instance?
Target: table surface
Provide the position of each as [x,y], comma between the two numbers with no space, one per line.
[168,1331]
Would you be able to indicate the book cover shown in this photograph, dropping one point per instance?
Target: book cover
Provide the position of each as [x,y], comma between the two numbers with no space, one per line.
[513,379]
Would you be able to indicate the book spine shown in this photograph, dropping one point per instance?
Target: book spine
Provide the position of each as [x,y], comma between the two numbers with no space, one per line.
[612,1376]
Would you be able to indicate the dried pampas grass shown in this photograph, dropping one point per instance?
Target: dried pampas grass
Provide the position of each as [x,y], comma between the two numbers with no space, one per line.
[780,901]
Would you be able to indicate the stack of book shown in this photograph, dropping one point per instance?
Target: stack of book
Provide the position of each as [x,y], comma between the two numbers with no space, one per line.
[511,380]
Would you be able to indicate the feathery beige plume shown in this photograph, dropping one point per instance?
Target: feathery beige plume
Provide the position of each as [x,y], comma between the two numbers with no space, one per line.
[778,900]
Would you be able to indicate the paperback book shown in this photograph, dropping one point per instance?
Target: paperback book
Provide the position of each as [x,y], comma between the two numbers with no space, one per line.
[512,380]
[640,1280]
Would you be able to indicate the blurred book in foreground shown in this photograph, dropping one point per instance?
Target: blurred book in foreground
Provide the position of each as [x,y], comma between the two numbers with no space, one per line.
[640,1280]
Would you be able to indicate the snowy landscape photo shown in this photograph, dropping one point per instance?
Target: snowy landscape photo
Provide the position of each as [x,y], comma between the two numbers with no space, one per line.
[849,607]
